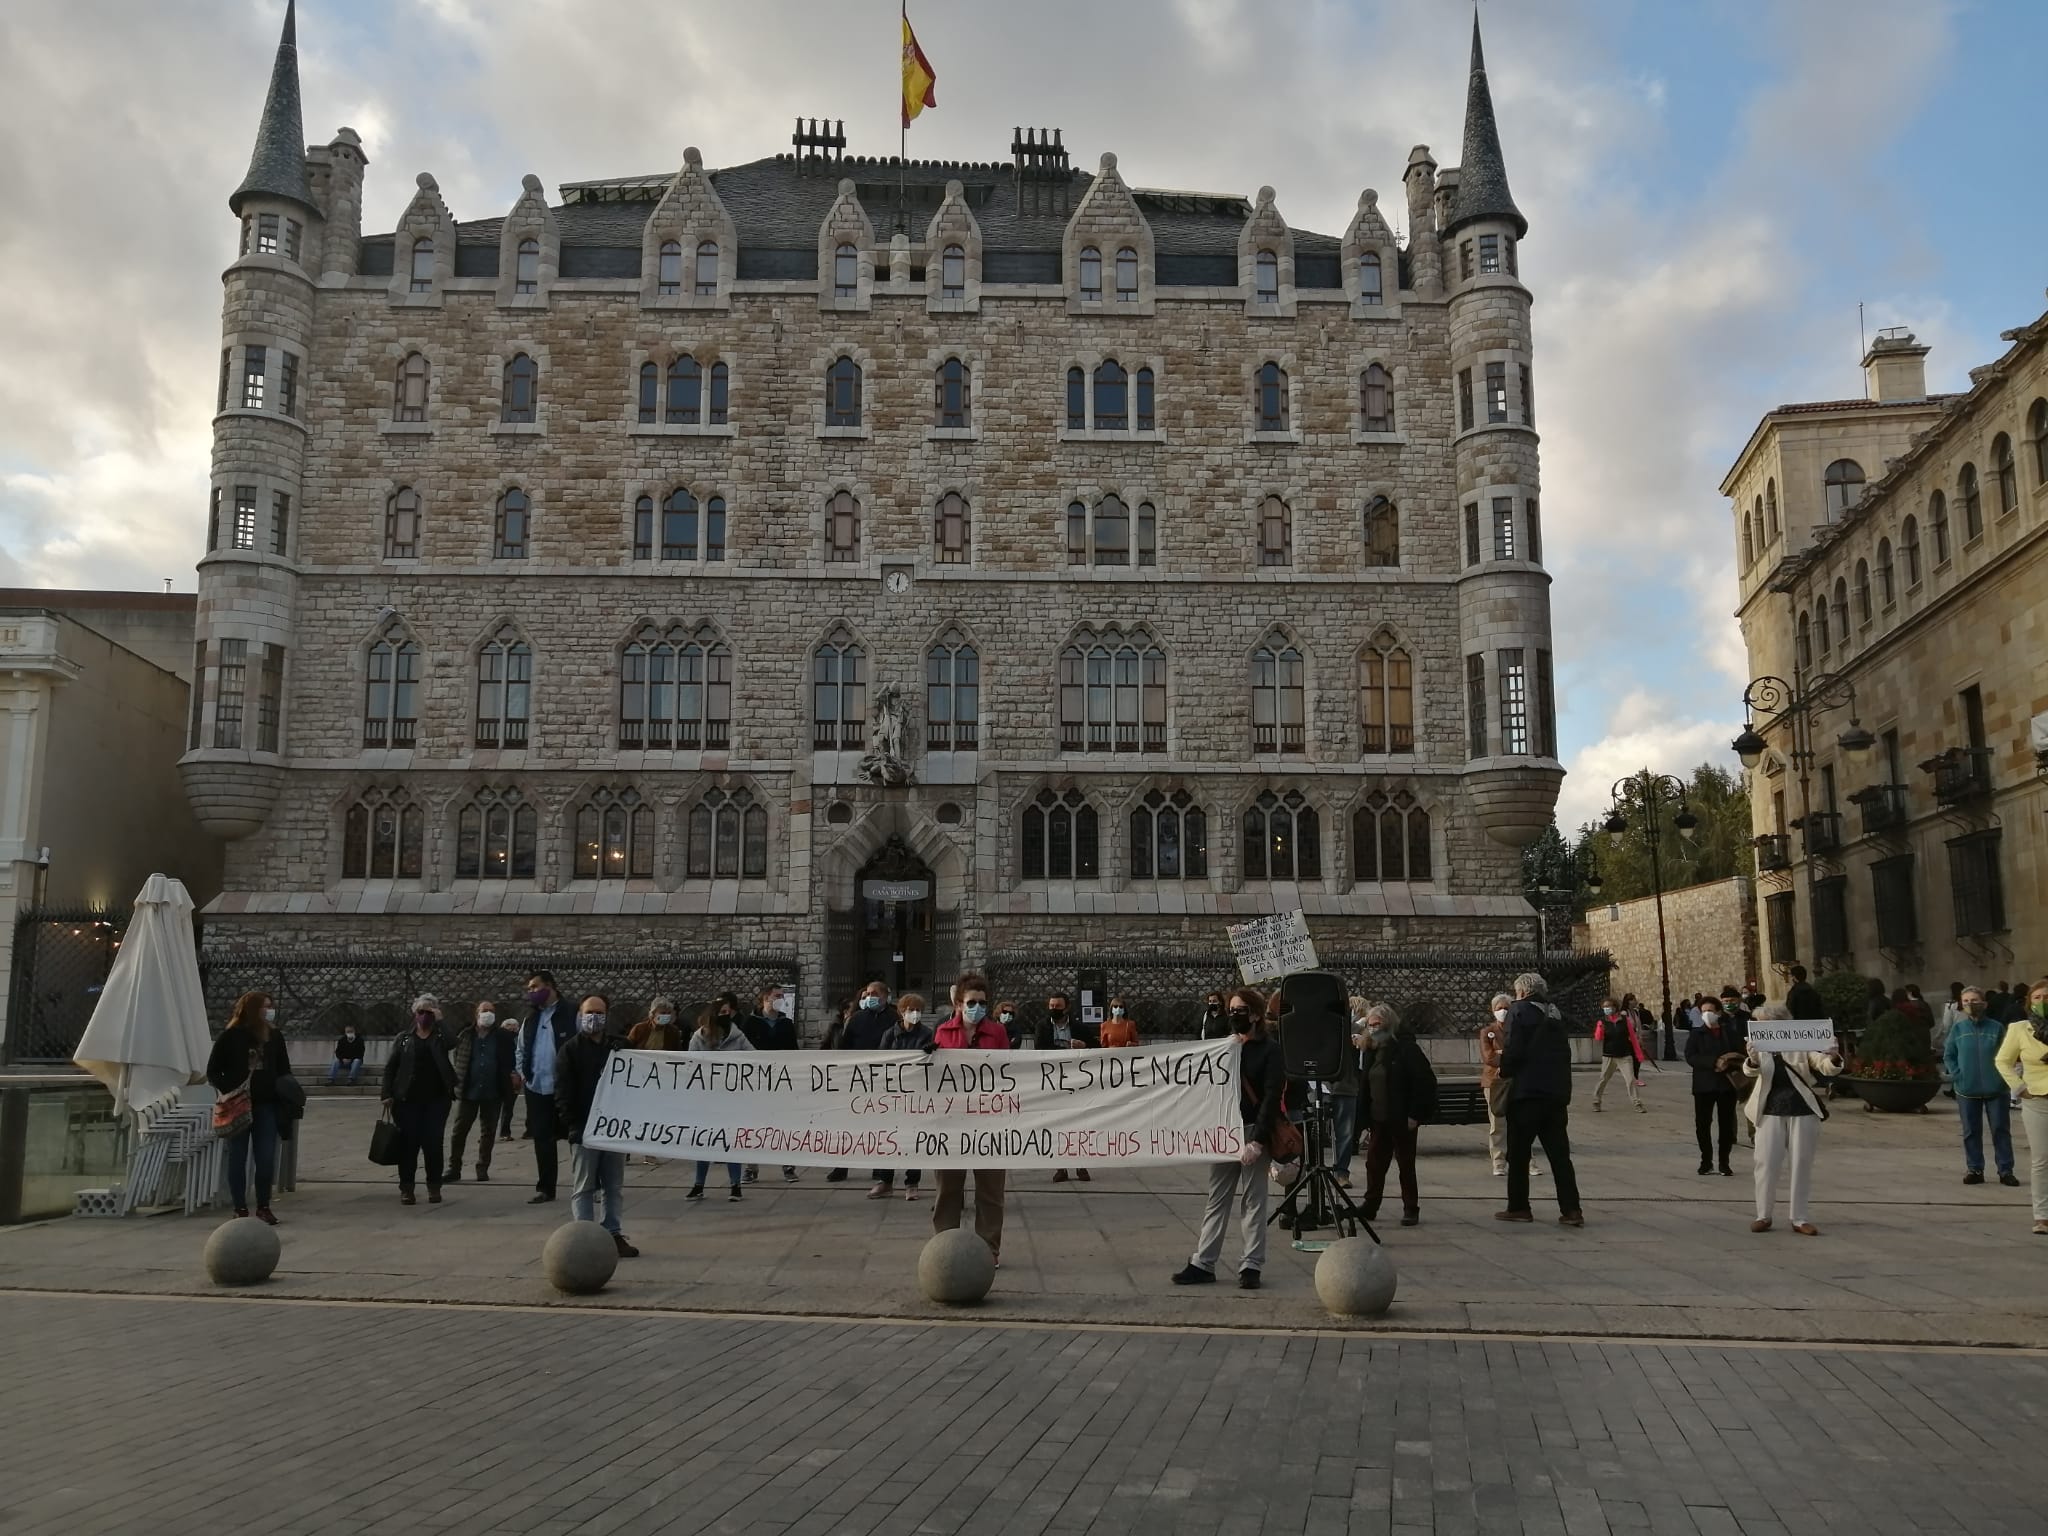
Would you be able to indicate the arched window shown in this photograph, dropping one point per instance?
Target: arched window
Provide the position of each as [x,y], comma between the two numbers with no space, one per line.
[409,398]
[721,388]
[1971,495]
[1059,840]
[2037,431]
[1909,551]
[1266,278]
[1112,693]
[1843,485]
[707,268]
[727,837]
[1862,594]
[1382,533]
[1269,397]
[650,393]
[615,837]
[1106,537]
[1748,541]
[951,530]
[1077,400]
[1276,532]
[952,695]
[495,837]
[1937,526]
[842,529]
[1376,399]
[1762,527]
[842,393]
[1370,290]
[1771,509]
[1091,275]
[422,280]
[846,272]
[1886,593]
[1169,838]
[514,523]
[1143,417]
[526,267]
[391,690]
[839,694]
[2007,472]
[1282,838]
[685,390]
[675,691]
[1127,276]
[1389,840]
[952,402]
[953,273]
[402,524]
[1805,642]
[522,389]
[1279,697]
[1112,397]
[382,837]
[504,691]
[1386,695]
[669,270]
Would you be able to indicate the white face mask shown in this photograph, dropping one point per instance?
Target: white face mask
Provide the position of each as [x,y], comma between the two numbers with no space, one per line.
[270,1015]
[486,1019]
[1500,1015]
[912,1016]
[664,1019]
[590,1023]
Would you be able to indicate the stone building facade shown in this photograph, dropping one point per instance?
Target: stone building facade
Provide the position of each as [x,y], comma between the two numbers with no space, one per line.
[1892,553]
[1710,940]
[880,565]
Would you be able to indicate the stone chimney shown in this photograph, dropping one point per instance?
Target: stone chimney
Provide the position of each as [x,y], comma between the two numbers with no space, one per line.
[1895,367]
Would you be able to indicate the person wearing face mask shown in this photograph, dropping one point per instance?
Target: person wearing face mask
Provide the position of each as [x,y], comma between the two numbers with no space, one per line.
[579,1068]
[971,1029]
[1119,1030]
[419,1084]
[873,1018]
[1056,1033]
[250,1054]
[1006,1015]
[1713,1052]
[1969,1056]
[1397,1093]
[659,1031]
[718,1030]
[1787,1108]
[1493,1039]
[909,1033]
[1262,1091]
[482,1058]
[1621,1054]
[549,1025]
[2023,1062]
[508,1026]
[348,1057]
[1213,1023]
[1537,1062]
[768,1028]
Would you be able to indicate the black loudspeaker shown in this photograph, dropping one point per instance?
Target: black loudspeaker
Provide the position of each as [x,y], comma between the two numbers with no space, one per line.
[1315,1024]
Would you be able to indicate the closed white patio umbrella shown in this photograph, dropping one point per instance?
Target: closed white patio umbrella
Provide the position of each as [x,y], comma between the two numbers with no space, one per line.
[148,1035]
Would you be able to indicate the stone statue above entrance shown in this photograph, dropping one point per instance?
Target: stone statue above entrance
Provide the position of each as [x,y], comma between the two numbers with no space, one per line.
[885,762]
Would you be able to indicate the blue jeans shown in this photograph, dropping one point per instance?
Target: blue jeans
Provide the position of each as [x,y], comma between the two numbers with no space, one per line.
[355,1071]
[731,1168]
[1998,1110]
[593,1170]
[1347,1132]
[261,1138]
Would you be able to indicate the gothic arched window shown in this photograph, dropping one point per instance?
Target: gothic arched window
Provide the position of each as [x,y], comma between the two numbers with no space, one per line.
[952,694]
[842,529]
[1127,276]
[522,390]
[842,393]
[1382,533]
[1389,840]
[1282,838]
[675,691]
[726,837]
[668,281]
[1375,399]
[951,529]
[1112,397]
[1276,532]
[1060,838]
[615,837]
[422,270]
[1107,537]
[952,391]
[504,691]
[685,391]
[1370,288]
[1266,278]
[402,524]
[1386,695]
[526,267]
[953,273]
[1169,838]
[496,834]
[846,272]
[1269,398]
[1091,275]
[409,397]
[707,268]
[391,690]
[513,526]
[1112,693]
[650,393]
[839,694]
[1279,696]
[382,837]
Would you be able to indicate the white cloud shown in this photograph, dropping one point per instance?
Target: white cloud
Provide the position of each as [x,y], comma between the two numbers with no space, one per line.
[1644,730]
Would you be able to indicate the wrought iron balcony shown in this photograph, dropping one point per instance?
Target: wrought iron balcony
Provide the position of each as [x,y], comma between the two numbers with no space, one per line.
[1883,807]
[1773,852]
[1960,773]
[1820,831]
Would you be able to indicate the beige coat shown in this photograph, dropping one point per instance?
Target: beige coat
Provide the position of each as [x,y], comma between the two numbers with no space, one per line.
[1805,1066]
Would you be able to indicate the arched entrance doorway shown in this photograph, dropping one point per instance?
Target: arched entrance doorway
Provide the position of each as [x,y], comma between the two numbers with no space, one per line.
[897,932]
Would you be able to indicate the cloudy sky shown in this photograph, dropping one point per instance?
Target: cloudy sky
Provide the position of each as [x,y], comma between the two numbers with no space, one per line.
[1712,186]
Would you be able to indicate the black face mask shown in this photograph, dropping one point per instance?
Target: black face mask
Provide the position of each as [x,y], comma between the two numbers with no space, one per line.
[1241,1020]
[1055,1014]
[1214,1009]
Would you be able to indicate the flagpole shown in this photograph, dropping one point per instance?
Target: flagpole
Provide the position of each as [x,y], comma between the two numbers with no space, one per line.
[903,125]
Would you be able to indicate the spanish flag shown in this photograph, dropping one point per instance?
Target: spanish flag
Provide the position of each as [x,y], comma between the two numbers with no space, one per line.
[918,76]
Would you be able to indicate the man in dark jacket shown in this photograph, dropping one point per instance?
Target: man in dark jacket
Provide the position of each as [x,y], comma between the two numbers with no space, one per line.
[1396,1093]
[419,1082]
[550,1023]
[578,1071]
[872,1019]
[482,1059]
[1242,1181]
[1537,1063]
[348,1057]
[1713,1051]
[1804,998]
[768,1028]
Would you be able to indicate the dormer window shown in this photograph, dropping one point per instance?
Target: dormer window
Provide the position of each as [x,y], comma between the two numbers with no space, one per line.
[422,266]
[846,272]
[1091,276]
[1266,278]
[1126,276]
[953,273]
[668,282]
[526,268]
[1369,289]
[707,268]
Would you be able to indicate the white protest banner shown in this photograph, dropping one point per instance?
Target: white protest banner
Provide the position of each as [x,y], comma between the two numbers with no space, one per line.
[904,1109]
[1267,947]
[1776,1036]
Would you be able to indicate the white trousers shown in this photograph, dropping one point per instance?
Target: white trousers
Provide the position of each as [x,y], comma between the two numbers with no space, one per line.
[1610,1068]
[2034,1117]
[1233,1183]
[1778,1136]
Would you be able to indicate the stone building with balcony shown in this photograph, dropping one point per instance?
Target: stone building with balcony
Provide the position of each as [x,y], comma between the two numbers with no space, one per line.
[766,559]
[1892,553]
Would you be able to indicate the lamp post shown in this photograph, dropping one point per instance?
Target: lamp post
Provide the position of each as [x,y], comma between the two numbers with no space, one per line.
[1771,701]
[1655,790]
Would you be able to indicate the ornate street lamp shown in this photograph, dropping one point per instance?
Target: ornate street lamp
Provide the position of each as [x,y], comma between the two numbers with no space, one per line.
[1655,790]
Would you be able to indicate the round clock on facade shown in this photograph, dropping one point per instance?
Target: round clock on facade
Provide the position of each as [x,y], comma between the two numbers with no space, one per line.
[897,582]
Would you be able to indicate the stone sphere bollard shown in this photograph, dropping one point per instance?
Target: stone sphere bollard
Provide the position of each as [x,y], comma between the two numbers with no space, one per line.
[242,1252]
[956,1268]
[1355,1278]
[580,1258]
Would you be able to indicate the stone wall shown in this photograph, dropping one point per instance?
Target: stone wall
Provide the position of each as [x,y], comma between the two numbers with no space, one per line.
[1710,940]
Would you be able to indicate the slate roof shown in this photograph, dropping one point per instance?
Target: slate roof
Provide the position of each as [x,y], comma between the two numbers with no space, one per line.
[1482,172]
[277,168]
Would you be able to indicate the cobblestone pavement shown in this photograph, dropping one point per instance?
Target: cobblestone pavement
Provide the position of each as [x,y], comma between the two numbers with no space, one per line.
[161,1416]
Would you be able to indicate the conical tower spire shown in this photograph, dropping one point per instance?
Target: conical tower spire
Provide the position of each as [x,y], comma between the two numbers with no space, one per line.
[1483,174]
[278,166]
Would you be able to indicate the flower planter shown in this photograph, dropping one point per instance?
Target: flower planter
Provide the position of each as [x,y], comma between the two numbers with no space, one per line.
[1894,1097]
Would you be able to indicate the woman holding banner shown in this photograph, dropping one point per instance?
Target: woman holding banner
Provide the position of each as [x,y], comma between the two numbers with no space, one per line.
[971,1029]
[1786,1108]
[1262,1087]
[718,1030]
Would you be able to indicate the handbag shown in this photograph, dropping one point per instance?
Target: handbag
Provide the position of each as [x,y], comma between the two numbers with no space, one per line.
[384,1143]
[233,1112]
[1286,1145]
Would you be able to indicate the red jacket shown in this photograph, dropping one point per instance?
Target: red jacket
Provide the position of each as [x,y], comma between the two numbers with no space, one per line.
[956,1034]
[1635,1041]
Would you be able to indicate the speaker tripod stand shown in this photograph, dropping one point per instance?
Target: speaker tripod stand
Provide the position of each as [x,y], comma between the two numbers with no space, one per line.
[1316,1201]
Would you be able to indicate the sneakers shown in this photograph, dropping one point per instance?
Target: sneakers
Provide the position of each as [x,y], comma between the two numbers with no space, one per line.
[735,1193]
[2009,1179]
[696,1192]
[1248,1280]
[1705,1169]
[1513,1216]
[541,1198]
[1727,1172]
[626,1249]
[753,1173]
[1500,1170]
[1194,1274]
[407,1197]
[789,1175]
[241,1210]
[1974,1176]
[433,1197]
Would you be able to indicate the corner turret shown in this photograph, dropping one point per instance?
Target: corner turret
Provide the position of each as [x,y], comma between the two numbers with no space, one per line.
[1483,173]
[277,167]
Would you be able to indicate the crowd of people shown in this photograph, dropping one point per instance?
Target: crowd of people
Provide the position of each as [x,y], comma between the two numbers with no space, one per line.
[550,1056]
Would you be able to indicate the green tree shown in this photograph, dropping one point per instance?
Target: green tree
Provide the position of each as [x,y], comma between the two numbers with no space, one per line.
[1719,847]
